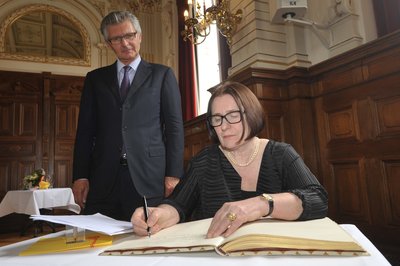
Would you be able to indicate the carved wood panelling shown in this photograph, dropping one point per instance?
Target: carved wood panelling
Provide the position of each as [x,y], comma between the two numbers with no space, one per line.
[63,173]
[388,115]
[275,127]
[24,167]
[27,119]
[392,199]
[196,137]
[7,121]
[350,191]
[66,120]
[377,65]
[65,99]
[342,125]
[39,113]
[337,80]
[17,149]
[64,148]
[5,176]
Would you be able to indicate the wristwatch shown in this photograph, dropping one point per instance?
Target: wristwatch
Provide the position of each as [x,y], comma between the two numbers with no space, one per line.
[270,201]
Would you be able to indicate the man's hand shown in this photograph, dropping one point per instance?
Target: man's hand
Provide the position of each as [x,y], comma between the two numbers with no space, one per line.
[170,184]
[80,188]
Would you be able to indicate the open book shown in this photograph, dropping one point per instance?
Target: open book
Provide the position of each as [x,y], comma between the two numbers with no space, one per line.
[262,237]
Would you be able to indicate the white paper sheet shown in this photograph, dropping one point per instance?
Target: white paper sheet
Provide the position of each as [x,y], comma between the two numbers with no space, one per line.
[96,222]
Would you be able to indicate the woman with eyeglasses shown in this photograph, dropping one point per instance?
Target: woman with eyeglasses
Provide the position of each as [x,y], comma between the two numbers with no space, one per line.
[241,178]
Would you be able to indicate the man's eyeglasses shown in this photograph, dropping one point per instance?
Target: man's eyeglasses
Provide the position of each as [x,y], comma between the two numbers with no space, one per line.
[127,37]
[233,117]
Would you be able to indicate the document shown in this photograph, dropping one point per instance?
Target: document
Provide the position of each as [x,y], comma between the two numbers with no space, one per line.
[320,237]
[58,244]
[96,222]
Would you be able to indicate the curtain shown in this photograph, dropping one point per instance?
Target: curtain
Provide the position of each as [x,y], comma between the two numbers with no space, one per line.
[187,76]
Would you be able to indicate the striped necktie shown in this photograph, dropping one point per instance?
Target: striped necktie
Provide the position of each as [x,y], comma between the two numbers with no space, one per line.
[125,84]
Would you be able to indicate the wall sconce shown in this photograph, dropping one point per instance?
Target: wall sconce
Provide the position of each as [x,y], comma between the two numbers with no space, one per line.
[199,19]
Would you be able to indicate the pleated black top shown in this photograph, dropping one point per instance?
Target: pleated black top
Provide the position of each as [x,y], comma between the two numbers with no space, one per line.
[211,180]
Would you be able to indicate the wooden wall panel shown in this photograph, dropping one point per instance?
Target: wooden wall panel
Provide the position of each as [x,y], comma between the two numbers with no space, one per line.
[196,137]
[5,176]
[7,121]
[39,114]
[20,127]
[392,199]
[64,104]
[349,194]
[342,125]
[388,116]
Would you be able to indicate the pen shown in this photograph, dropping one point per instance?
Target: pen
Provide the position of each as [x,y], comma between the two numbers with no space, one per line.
[146,214]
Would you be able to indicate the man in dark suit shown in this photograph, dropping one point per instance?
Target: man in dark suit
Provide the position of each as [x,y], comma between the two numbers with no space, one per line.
[129,140]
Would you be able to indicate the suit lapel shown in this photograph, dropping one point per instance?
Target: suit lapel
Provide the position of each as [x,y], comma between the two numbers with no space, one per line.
[142,73]
[111,79]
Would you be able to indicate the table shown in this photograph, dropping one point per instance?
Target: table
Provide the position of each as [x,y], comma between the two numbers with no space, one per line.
[31,201]
[9,256]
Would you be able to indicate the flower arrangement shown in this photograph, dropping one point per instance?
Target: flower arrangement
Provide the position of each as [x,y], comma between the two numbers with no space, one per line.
[37,179]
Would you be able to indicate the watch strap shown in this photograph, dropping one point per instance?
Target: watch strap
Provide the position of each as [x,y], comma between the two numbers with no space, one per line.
[270,201]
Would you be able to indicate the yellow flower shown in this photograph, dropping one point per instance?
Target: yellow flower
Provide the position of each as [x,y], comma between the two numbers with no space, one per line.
[44,184]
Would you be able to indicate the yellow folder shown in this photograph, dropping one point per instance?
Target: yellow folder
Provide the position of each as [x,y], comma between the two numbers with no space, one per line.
[58,244]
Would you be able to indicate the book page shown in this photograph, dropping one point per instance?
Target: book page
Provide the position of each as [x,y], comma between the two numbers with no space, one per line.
[318,229]
[277,237]
[184,237]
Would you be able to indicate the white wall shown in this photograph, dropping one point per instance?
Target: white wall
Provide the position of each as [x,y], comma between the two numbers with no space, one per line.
[338,26]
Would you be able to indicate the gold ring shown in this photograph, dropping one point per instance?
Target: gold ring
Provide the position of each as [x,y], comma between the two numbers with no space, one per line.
[231,216]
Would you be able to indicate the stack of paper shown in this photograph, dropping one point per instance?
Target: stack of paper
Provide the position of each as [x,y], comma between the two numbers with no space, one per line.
[96,222]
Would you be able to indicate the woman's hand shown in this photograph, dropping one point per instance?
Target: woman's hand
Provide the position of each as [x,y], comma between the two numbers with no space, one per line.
[233,214]
[159,218]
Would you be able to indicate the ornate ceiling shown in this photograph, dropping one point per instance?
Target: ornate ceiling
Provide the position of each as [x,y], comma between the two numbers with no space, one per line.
[44,34]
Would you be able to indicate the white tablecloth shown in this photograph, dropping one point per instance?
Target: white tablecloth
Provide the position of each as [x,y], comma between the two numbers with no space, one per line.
[31,201]
[85,257]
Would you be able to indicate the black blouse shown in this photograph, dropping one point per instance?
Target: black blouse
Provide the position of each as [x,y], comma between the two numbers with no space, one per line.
[211,180]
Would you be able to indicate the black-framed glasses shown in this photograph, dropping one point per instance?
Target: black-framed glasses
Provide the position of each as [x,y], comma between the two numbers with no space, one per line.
[233,117]
[127,37]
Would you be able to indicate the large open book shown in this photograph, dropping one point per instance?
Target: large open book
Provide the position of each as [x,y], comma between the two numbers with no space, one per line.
[262,237]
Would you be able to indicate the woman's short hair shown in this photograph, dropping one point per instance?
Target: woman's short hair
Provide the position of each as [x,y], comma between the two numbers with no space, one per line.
[246,101]
[117,17]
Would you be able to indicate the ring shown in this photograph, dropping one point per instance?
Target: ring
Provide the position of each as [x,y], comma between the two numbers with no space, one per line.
[231,216]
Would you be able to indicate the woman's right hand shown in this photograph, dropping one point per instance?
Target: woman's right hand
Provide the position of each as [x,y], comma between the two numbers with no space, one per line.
[159,218]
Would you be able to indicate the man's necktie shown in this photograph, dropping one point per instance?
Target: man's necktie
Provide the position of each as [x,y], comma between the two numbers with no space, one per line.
[125,84]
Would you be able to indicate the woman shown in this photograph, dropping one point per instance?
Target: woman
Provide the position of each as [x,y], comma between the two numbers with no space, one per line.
[229,180]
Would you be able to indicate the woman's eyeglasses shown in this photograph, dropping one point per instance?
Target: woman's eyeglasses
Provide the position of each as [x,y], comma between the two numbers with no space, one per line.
[233,117]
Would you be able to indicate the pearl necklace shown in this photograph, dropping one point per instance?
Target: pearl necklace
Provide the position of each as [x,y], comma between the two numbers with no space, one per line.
[251,159]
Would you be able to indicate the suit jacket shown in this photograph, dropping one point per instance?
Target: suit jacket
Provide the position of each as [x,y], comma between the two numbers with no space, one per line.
[149,122]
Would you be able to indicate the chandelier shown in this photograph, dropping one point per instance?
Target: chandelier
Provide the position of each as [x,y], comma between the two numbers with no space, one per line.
[199,19]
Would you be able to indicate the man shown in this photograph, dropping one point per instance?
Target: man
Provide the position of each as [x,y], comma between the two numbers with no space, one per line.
[129,140]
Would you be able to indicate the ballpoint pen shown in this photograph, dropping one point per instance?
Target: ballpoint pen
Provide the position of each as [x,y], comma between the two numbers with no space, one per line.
[146,214]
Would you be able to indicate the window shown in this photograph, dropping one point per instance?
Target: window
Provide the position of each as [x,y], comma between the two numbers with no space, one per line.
[208,68]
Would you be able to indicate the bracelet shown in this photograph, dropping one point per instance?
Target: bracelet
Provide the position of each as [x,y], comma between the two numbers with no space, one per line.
[270,201]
